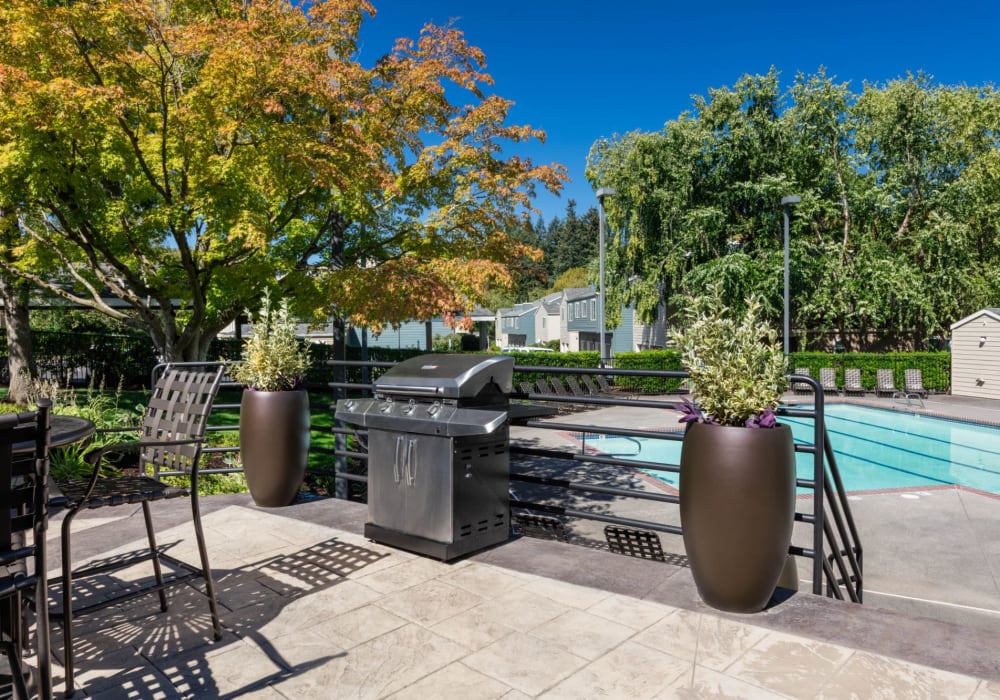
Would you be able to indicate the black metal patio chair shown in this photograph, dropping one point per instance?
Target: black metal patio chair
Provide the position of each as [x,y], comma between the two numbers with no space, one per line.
[24,459]
[171,438]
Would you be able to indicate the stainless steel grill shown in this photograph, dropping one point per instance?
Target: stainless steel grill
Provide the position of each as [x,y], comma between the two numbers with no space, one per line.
[438,453]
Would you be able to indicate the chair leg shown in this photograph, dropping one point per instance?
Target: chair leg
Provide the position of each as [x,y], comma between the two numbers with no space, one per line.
[67,601]
[155,554]
[19,688]
[206,569]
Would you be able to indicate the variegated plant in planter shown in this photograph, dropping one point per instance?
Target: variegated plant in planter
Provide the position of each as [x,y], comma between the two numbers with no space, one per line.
[274,410]
[737,467]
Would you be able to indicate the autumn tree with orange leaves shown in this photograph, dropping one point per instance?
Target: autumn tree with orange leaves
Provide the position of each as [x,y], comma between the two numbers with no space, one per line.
[201,151]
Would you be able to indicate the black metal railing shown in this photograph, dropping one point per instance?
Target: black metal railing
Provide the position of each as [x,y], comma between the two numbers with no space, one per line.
[834,548]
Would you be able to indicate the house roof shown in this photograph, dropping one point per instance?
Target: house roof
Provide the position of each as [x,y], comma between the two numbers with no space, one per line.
[552,302]
[575,293]
[993,313]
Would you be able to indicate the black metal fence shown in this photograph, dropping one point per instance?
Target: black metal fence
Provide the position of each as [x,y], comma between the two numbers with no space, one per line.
[553,486]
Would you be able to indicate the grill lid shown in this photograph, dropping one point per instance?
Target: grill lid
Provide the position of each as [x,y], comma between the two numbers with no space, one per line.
[447,376]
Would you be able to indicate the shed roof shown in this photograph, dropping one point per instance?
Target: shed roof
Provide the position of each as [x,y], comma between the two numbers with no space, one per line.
[993,313]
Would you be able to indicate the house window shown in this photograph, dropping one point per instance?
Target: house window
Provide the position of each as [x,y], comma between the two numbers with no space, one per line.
[570,312]
[593,309]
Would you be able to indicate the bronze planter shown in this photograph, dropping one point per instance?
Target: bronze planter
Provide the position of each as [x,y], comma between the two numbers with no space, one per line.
[737,501]
[274,444]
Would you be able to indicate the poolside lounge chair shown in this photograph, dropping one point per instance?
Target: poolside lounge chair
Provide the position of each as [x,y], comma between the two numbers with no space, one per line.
[852,381]
[802,387]
[913,381]
[609,389]
[588,384]
[828,380]
[574,386]
[885,385]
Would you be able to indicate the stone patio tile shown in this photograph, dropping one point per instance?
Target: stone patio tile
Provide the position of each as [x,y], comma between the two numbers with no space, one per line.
[281,617]
[987,690]
[135,683]
[788,664]
[232,670]
[706,684]
[357,626]
[455,681]
[475,628]
[567,593]
[380,667]
[525,663]
[874,676]
[405,574]
[515,694]
[429,602]
[521,609]
[484,580]
[583,634]
[637,614]
[630,671]
[705,639]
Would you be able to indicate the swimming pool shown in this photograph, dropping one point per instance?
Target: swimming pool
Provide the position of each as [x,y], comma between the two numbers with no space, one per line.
[875,449]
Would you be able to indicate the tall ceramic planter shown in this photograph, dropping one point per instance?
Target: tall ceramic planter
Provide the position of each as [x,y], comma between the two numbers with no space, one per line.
[737,502]
[274,444]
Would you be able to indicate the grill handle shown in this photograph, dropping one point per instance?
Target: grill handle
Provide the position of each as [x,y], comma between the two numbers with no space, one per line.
[403,390]
[395,458]
[411,462]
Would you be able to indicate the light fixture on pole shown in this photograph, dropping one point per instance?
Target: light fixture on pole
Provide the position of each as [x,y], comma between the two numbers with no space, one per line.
[601,194]
[786,202]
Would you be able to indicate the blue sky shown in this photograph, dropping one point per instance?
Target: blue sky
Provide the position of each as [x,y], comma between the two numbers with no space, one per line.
[582,69]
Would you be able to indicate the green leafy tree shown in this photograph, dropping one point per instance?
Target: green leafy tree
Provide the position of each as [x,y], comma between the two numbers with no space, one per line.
[187,156]
[897,229]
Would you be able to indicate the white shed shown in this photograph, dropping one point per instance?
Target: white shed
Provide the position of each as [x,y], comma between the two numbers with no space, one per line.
[975,355]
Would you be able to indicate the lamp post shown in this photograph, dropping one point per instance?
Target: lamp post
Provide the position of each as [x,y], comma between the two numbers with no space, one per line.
[601,194]
[786,202]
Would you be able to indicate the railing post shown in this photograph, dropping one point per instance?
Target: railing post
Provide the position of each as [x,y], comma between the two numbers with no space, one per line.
[819,473]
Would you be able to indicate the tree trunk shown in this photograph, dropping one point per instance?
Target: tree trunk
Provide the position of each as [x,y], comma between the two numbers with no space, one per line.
[20,353]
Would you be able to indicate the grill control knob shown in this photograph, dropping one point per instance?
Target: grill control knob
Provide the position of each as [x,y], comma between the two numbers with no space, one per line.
[408,409]
[350,404]
[433,409]
[386,407]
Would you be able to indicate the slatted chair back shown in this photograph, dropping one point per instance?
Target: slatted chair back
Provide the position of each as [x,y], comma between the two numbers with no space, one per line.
[178,410]
[852,381]
[828,379]
[802,387]
[574,386]
[588,384]
[24,470]
[914,381]
[884,382]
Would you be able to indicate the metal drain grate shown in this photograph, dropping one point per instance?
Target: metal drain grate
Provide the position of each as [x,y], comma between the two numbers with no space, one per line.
[634,543]
[540,526]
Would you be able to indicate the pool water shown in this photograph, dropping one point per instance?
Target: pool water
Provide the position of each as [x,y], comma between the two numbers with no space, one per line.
[875,449]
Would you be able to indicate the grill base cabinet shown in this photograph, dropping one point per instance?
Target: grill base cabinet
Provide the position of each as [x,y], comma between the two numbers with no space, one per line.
[446,497]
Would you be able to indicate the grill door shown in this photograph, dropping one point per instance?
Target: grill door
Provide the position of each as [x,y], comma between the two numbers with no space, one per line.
[410,483]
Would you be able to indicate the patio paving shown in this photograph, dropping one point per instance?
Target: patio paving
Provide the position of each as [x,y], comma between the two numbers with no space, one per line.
[312,609]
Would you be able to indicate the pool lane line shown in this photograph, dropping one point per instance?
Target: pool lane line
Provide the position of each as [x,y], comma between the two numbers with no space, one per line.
[910,433]
[915,453]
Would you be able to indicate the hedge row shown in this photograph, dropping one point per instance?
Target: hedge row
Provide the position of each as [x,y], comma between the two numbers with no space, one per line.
[935,366]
